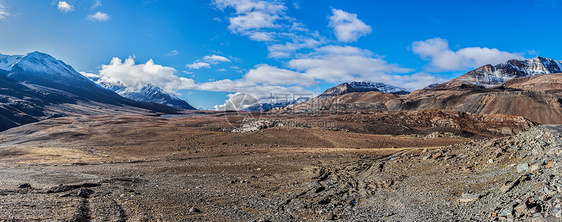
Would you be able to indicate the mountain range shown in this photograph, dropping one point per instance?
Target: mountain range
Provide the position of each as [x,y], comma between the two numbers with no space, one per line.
[531,88]
[36,86]
[149,93]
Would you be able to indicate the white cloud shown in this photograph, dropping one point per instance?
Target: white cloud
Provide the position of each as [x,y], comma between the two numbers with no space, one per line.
[266,74]
[336,64]
[96,4]
[173,53]
[90,75]
[252,15]
[3,12]
[296,5]
[207,61]
[215,59]
[290,48]
[252,20]
[99,16]
[442,58]
[246,6]
[135,76]
[262,36]
[347,27]
[198,65]
[65,7]
[217,19]
[266,21]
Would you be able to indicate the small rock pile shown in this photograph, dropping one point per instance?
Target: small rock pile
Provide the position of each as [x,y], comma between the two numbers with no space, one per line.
[251,125]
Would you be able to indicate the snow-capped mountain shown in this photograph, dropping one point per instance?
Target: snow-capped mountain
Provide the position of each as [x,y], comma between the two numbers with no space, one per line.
[364,86]
[491,75]
[36,86]
[6,61]
[265,106]
[148,93]
[37,66]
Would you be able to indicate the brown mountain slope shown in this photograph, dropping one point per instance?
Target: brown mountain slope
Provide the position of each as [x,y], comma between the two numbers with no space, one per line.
[536,98]
[347,102]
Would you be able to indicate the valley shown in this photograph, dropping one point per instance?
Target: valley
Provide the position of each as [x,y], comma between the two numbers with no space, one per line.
[461,150]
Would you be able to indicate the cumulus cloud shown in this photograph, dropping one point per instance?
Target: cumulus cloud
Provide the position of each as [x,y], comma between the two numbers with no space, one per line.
[99,16]
[207,61]
[135,76]
[65,7]
[347,27]
[335,64]
[3,12]
[266,74]
[267,21]
[442,58]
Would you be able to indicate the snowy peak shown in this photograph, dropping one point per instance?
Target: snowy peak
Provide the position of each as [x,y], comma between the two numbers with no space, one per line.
[39,65]
[6,61]
[377,86]
[37,62]
[149,93]
[491,75]
[363,86]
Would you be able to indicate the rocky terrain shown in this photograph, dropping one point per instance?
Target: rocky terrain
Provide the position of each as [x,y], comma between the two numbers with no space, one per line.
[136,167]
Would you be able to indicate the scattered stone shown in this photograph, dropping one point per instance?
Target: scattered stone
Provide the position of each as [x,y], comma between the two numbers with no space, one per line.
[522,208]
[558,213]
[509,185]
[437,155]
[522,167]
[507,212]
[194,210]
[535,167]
[549,164]
[469,197]
[426,157]
[25,185]
[85,192]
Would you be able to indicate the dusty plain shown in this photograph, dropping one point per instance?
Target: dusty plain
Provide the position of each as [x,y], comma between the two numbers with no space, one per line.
[194,168]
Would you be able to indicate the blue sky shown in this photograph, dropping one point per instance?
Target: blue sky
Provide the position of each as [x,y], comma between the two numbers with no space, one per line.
[207,50]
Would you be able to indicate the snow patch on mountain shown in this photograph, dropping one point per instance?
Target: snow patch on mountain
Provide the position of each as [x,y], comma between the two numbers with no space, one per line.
[377,86]
[6,61]
[489,76]
[149,93]
[363,86]
[42,66]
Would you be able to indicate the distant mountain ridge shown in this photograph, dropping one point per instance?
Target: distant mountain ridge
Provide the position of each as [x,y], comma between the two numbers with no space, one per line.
[149,93]
[363,86]
[491,75]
